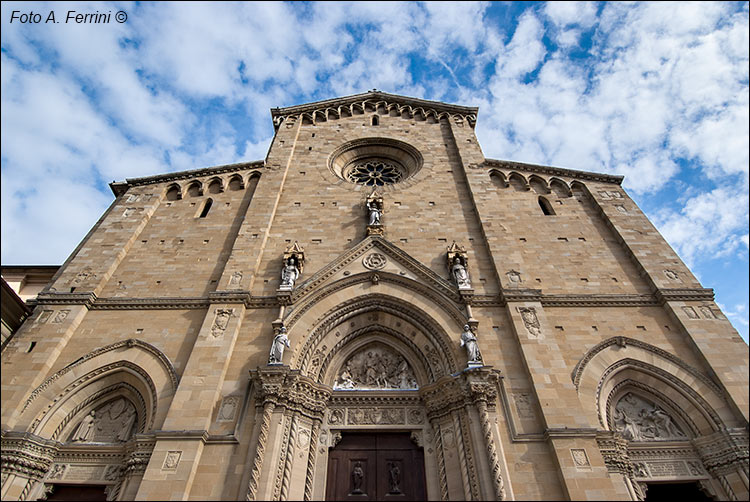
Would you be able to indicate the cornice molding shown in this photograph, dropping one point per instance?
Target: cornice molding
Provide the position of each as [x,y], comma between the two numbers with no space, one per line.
[551,171]
[121,187]
[89,299]
[375,97]
[684,295]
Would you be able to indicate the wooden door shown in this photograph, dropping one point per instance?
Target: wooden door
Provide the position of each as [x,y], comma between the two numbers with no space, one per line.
[77,492]
[382,466]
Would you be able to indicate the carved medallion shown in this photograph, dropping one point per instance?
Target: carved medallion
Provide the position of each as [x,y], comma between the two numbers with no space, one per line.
[374,261]
[336,417]
[172,460]
[530,320]
[221,320]
[57,472]
[690,312]
[376,416]
[228,408]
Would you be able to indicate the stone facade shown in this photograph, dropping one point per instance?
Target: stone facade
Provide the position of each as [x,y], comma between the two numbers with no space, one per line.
[160,369]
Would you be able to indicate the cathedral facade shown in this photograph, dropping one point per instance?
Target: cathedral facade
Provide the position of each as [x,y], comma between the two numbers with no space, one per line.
[375,310]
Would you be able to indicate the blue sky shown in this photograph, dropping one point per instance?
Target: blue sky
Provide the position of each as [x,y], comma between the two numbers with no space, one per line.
[657,92]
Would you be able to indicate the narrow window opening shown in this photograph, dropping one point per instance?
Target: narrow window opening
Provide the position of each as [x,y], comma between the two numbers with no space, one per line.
[375,120]
[31,347]
[206,207]
[546,207]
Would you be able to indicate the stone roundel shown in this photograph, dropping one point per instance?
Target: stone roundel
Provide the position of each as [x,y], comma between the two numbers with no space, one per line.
[374,261]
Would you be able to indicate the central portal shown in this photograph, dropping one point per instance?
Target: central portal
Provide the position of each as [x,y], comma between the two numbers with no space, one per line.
[376,466]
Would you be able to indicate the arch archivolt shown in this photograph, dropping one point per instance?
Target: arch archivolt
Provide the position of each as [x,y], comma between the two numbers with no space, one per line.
[618,359]
[130,364]
[661,415]
[397,319]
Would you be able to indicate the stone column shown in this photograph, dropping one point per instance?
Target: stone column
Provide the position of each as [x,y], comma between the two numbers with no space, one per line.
[284,451]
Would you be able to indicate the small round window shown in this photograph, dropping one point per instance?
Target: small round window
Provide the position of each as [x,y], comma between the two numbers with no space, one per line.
[374,172]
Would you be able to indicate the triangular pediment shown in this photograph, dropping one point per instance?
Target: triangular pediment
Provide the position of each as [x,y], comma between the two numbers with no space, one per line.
[375,256]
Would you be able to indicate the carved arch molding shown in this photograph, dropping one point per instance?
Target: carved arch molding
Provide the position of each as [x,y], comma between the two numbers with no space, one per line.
[663,420]
[80,425]
[376,367]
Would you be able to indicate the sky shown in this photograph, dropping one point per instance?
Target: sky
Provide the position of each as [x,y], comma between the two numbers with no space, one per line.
[657,92]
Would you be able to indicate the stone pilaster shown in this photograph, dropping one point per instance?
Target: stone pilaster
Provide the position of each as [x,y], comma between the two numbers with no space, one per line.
[180,444]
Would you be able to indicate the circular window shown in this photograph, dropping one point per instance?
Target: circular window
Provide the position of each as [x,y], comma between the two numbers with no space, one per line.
[374,172]
[375,161]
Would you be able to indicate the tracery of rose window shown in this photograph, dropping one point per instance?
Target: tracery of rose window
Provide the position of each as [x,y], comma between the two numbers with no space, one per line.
[374,172]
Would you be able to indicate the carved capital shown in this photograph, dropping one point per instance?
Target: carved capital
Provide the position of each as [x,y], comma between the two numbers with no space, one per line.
[27,455]
[285,387]
[724,452]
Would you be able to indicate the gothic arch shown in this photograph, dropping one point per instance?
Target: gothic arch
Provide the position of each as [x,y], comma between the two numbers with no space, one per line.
[538,184]
[352,315]
[132,368]
[604,369]
[373,336]
[518,182]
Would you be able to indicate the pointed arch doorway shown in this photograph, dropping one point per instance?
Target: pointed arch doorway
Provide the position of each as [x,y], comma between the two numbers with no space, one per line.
[376,466]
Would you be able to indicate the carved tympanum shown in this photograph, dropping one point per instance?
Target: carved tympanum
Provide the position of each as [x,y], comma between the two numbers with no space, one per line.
[376,367]
[109,423]
[638,419]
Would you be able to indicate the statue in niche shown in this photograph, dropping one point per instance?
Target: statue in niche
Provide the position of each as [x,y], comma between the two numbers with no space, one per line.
[374,211]
[280,342]
[289,273]
[86,429]
[469,340]
[460,274]
[376,367]
[357,476]
[639,420]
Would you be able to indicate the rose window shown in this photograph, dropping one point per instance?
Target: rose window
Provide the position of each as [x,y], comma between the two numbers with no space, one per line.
[375,162]
[374,172]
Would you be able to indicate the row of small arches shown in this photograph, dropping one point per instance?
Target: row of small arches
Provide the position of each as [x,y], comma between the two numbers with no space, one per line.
[214,185]
[382,107]
[541,186]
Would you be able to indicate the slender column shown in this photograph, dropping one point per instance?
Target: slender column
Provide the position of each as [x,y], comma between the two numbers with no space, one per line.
[252,487]
[497,477]
[311,458]
[443,478]
[289,457]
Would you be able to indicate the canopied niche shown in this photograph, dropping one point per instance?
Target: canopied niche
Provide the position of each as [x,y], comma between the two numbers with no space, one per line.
[375,367]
